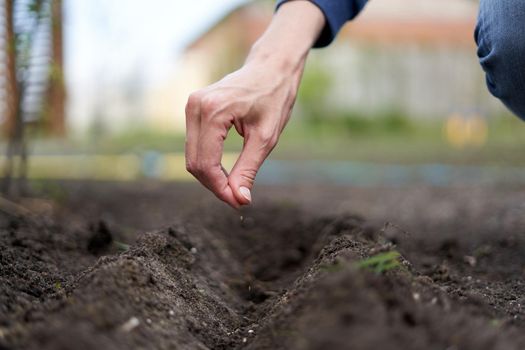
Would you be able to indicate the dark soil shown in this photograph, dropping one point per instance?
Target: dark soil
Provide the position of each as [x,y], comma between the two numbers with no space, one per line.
[142,266]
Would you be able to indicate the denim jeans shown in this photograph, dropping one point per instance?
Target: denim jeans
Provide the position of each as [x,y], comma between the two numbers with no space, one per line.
[500,36]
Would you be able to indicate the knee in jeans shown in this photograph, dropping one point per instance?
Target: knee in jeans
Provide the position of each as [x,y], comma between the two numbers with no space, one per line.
[502,55]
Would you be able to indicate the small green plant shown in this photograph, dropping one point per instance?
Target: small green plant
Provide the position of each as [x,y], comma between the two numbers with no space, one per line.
[121,246]
[495,323]
[382,262]
[336,266]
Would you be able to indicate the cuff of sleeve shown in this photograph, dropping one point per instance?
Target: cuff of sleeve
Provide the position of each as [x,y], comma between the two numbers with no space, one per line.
[336,13]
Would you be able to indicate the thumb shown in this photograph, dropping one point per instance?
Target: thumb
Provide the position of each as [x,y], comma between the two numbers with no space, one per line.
[242,175]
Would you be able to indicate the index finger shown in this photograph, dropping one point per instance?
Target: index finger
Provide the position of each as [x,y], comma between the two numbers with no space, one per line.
[192,130]
[209,155]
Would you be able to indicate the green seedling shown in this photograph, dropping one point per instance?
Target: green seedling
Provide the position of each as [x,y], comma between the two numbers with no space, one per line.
[495,323]
[334,267]
[121,246]
[382,262]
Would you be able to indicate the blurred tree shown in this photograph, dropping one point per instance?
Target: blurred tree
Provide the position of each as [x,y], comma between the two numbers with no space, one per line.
[11,86]
[19,49]
[54,115]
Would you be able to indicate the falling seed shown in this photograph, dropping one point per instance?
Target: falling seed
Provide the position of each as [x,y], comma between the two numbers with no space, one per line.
[242,218]
[171,313]
[148,321]
[130,324]
[416,296]
[193,250]
[250,331]
[244,340]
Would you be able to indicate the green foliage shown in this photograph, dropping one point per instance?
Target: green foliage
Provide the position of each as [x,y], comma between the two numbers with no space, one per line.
[382,262]
[122,247]
[36,7]
[24,35]
[336,266]
[51,190]
[355,124]
[314,89]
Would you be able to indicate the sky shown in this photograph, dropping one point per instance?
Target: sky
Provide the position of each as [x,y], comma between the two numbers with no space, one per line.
[109,41]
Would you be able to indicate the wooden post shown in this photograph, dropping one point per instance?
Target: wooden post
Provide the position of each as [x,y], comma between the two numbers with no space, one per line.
[57,93]
[12,93]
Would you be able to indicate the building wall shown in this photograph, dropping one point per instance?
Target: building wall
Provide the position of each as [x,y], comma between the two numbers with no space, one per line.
[423,82]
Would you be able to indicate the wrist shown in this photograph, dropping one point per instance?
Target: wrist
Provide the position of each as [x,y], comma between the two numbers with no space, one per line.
[269,56]
[290,36]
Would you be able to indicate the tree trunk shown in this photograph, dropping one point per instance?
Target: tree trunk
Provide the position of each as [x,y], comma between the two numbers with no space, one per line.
[12,93]
[56,93]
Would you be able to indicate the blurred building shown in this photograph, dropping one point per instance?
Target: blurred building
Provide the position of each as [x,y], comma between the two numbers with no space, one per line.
[416,57]
[218,51]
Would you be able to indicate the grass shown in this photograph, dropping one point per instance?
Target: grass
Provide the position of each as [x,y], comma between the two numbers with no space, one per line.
[388,138]
[382,262]
[379,263]
[391,140]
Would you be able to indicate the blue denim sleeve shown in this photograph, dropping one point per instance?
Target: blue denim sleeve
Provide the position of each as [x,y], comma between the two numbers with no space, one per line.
[337,13]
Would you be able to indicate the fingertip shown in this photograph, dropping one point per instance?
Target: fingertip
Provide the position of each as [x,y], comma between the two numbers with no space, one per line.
[228,197]
[245,195]
[241,191]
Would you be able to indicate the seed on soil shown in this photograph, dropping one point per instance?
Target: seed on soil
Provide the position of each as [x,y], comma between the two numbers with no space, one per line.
[193,250]
[244,340]
[250,331]
[148,321]
[130,324]
[416,296]
[470,260]
[171,313]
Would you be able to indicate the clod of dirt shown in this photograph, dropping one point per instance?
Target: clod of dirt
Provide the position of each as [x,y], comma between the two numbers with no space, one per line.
[100,240]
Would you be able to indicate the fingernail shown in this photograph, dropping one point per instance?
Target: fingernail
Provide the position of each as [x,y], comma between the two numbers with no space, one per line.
[245,191]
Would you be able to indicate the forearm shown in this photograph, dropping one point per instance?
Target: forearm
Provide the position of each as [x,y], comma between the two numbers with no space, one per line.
[290,36]
[336,12]
[257,99]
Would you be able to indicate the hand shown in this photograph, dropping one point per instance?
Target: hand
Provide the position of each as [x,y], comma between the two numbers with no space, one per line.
[257,100]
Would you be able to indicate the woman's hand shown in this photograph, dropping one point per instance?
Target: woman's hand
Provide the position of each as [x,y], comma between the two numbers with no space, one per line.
[257,100]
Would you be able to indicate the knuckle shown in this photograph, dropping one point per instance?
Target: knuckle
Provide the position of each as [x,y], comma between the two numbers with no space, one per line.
[249,176]
[194,101]
[267,138]
[209,106]
[200,169]
[190,167]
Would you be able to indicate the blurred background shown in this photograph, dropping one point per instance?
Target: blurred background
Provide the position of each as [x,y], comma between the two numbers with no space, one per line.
[96,90]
